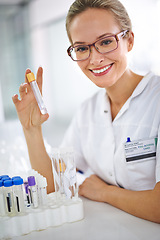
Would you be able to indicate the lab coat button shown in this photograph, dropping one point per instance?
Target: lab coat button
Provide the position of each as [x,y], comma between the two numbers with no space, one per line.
[110,174]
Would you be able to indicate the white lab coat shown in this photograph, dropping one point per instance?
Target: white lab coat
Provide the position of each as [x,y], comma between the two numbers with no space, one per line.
[99,142]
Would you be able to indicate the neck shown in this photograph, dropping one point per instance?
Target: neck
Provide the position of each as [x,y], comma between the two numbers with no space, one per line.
[122,90]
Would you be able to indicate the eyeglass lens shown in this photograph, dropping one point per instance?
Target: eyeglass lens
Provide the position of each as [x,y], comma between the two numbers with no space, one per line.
[104,45]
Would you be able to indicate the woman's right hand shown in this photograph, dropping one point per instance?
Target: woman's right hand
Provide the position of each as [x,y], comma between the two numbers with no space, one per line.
[27,107]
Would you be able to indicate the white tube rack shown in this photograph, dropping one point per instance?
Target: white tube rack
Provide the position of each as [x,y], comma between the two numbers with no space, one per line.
[55,214]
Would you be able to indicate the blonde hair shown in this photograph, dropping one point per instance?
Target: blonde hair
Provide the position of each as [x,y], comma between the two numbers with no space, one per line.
[114,6]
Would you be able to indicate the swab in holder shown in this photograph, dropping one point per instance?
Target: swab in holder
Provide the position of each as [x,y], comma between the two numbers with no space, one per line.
[36,91]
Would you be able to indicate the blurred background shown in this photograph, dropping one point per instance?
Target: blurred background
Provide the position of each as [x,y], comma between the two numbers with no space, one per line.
[32,34]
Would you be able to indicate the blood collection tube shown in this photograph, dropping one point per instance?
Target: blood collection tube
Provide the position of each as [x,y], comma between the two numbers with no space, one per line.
[8,197]
[42,191]
[18,195]
[27,198]
[33,193]
[36,91]
[2,203]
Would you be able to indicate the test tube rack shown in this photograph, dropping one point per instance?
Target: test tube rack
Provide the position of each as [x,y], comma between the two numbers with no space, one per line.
[55,214]
[63,206]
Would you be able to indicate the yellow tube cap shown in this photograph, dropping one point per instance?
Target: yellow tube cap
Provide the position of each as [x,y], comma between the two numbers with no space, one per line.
[31,77]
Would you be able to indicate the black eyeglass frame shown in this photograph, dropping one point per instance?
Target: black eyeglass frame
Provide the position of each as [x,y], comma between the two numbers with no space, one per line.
[117,36]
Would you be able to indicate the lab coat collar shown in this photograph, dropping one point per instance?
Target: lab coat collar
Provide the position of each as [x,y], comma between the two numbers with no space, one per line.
[142,84]
[138,90]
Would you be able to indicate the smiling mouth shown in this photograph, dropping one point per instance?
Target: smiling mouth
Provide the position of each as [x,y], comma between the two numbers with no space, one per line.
[102,70]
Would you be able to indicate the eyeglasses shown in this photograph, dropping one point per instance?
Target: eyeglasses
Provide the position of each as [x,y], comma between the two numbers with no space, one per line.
[104,45]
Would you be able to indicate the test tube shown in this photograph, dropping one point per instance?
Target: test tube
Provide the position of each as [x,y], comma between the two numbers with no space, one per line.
[72,171]
[2,203]
[33,194]
[56,171]
[69,173]
[36,91]
[18,195]
[8,197]
[42,191]
[27,198]
[65,192]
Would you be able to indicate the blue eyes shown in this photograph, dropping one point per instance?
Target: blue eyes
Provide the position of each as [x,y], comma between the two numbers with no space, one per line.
[81,49]
[105,42]
[101,43]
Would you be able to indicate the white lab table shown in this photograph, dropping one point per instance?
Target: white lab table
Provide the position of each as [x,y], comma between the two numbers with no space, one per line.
[101,222]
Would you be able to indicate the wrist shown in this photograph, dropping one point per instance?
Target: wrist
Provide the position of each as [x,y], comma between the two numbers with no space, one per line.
[33,135]
[32,130]
[109,193]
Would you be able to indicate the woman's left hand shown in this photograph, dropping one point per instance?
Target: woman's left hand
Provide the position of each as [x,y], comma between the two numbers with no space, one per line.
[93,188]
[143,204]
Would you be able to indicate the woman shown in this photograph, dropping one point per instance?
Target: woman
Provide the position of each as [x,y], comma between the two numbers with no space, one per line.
[115,132]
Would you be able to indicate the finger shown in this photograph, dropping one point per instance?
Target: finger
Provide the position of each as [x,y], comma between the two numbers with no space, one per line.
[15,99]
[39,78]
[27,71]
[45,117]
[23,89]
[80,191]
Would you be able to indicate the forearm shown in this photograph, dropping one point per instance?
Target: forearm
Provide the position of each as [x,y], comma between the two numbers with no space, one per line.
[40,161]
[143,204]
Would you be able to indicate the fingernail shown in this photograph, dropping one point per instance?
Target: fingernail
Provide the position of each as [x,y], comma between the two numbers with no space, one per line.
[24,84]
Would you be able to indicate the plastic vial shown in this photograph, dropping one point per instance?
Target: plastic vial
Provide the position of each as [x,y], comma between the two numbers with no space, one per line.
[37,93]
[18,195]
[2,203]
[69,173]
[33,193]
[62,168]
[56,172]
[8,197]
[72,172]
[42,191]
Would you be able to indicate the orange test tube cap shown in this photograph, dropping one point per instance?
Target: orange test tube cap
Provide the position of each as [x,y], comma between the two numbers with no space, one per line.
[31,77]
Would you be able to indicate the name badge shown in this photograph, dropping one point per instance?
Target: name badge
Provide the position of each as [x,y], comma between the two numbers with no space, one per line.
[140,149]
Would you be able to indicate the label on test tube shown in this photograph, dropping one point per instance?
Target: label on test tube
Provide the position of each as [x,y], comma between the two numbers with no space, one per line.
[36,91]
[42,192]
[8,196]
[18,195]
[32,188]
[27,198]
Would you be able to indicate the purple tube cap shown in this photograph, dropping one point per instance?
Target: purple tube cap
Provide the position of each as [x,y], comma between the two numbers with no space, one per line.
[31,181]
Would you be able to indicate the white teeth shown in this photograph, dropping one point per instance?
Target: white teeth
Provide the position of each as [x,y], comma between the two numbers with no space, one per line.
[101,70]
